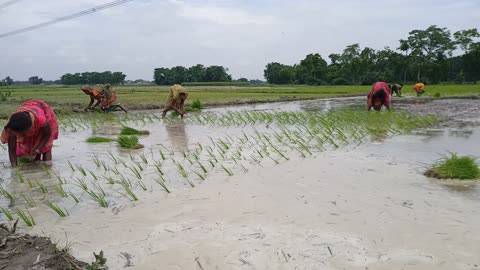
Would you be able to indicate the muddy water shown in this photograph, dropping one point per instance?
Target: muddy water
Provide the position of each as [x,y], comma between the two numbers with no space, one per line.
[352,208]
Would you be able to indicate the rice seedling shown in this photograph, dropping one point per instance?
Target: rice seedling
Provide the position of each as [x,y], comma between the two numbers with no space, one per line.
[7,213]
[113,158]
[99,140]
[28,200]
[227,170]
[26,216]
[61,180]
[454,166]
[125,181]
[162,155]
[30,183]
[144,158]
[57,209]
[109,180]
[130,142]
[82,170]
[96,161]
[115,170]
[93,175]
[10,196]
[130,193]
[71,166]
[19,176]
[181,170]
[59,189]
[202,167]
[98,197]
[43,188]
[74,197]
[46,170]
[199,175]
[136,172]
[161,182]
[142,185]
[81,184]
[132,131]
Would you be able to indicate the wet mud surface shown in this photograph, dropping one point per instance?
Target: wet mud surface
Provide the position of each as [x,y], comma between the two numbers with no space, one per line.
[357,207]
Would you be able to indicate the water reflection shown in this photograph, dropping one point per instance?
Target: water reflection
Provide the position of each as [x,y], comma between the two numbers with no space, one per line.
[176,134]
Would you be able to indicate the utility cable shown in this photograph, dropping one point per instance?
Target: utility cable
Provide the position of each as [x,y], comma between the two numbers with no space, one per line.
[66,18]
[9,3]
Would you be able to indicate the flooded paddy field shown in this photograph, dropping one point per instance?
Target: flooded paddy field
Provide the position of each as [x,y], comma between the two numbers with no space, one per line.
[316,184]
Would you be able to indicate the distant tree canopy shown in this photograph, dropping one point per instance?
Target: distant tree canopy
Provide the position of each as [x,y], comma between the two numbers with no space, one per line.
[425,55]
[35,80]
[94,78]
[197,73]
[6,82]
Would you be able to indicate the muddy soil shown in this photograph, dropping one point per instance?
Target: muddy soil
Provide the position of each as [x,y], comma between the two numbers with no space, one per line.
[359,207]
[20,252]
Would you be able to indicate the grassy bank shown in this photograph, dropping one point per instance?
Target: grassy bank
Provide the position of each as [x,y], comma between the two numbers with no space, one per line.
[67,99]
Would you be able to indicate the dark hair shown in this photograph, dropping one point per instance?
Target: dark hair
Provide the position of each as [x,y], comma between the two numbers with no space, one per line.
[425,83]
[380,94]
[19,121]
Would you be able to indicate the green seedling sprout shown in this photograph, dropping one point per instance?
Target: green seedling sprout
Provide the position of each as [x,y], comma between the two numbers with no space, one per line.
[28,200]
[7,213]
[59,189]
[57,209]
[26,216]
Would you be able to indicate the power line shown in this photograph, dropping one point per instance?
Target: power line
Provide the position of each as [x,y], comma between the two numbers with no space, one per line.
[9,3]
[66,18]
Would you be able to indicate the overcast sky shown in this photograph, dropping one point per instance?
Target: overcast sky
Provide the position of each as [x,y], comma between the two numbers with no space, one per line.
[243,35]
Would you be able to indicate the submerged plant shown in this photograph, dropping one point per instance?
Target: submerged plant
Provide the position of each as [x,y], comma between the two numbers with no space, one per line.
[455,167]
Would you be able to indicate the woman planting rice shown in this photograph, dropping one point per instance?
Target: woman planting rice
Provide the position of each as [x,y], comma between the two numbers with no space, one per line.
[419,88]
[30,131]
[176,100]
[105,96]
[379,96]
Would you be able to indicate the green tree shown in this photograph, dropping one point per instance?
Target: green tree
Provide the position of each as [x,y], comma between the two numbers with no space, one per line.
[311,70]
[427,50]
[35,80]
[465,39]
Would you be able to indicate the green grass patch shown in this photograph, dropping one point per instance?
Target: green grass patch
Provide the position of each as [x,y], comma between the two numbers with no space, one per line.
[132,131]
[99,140]
[454,167]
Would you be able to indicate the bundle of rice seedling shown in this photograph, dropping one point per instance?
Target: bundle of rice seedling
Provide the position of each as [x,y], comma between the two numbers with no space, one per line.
[132,131]
[130,142]
[454,167]
[99,139]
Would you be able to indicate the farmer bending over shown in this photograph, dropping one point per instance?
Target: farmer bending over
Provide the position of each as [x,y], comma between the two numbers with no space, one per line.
[379,96]
[176,100]
[397,88]
[105,96]
[419,88]
[30,131]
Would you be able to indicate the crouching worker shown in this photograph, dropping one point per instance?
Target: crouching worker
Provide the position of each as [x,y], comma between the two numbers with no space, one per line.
[105,96]
[176,100]
[379,96]
[30,131]
[420,88]
[397,89]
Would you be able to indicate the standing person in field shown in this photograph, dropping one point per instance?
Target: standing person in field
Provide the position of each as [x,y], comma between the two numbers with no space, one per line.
[419,88]
[105,96]
[30,131]
[176,100]
[379,96]
[397,88]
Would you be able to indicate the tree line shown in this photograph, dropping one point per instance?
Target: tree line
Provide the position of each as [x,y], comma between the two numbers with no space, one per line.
[113,78]
[425,55]
[197,73]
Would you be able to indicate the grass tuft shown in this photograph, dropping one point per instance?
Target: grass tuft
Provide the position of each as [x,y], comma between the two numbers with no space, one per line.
[454,167]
